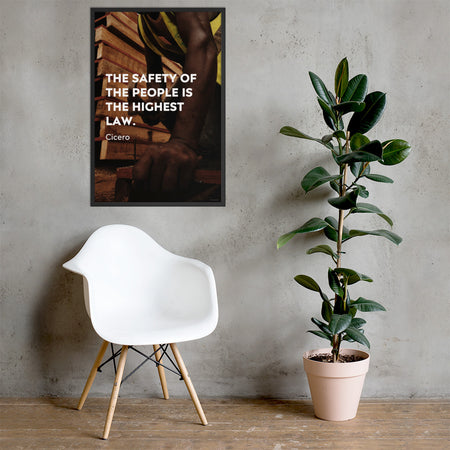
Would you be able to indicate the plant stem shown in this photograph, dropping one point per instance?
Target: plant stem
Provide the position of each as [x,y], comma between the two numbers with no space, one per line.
[336,347]
[342,190]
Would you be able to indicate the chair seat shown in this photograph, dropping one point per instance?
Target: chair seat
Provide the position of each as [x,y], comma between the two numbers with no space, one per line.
[153,331]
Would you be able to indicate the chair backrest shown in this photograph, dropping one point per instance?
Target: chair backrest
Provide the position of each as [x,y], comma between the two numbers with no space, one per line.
[124,269]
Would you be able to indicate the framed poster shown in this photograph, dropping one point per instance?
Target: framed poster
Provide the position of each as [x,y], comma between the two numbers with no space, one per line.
[157,107]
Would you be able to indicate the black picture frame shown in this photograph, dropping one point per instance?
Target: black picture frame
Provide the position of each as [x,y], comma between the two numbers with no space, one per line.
[112,181]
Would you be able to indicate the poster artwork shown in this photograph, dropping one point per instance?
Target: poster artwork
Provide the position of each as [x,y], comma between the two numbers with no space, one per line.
[158,107]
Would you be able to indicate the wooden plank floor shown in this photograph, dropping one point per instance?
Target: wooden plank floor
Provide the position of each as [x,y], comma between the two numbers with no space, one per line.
[53,423]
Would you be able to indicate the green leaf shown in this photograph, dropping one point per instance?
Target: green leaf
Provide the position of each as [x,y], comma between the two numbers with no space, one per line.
[351,276]
[357,168]
[341,78]
[347,107]
[307,282]
[324,297]
[321,334]
[395,238]
[395,151]
[322,249]
[291,131]
[358,140]
[356,89]
[326,108]
[316,177]
[357,336]
[329,121]
[362,191]
[321,325]
[371,209]
[330,220]
[364,305]
[363,121]
[347,201]
[331,234]
[334,283]
[357,156]
[334,186]
[331,230]
[339,323]
[320,88]
[357,322]
[314,224]
[339,134]
[379,178]
[371,151]
[327,311]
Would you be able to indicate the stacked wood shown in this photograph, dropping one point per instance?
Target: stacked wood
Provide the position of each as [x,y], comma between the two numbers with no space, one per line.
[210,179]
[123,26]
[119,50]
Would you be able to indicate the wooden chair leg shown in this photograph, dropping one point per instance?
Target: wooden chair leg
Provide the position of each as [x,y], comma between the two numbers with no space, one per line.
[115,391]
[93,372]
[188,382]
[161,373]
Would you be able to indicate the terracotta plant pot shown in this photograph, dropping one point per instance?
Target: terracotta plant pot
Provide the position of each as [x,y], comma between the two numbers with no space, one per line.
[336,387]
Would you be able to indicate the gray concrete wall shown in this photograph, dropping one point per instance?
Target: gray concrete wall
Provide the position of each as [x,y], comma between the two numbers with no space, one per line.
[46,342]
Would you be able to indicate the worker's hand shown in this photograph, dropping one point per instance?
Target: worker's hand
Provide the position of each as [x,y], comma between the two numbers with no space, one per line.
[167,167]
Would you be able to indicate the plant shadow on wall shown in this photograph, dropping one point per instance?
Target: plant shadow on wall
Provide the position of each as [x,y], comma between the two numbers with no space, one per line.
[354,154]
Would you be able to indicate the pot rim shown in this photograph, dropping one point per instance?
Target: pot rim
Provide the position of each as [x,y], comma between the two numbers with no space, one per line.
[347,351]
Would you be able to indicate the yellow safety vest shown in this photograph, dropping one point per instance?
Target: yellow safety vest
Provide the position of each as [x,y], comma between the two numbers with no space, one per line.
[154,43]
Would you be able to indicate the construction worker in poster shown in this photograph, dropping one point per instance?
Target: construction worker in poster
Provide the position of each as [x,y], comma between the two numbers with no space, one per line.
[192,39]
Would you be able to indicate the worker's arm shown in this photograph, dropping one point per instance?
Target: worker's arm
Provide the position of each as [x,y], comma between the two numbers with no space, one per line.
[201,60]
[170,166]
[154,64]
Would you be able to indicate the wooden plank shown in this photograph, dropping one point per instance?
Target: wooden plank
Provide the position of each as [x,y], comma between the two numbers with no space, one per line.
[104,67]
[169,66]
[102,34]
[160,136]
[121,150]
[105,180]
[117,25]
[200,175]
[121,59]
[127,21]
[132,15]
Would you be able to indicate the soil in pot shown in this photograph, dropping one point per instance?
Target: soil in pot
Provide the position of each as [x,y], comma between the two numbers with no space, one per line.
[328,357]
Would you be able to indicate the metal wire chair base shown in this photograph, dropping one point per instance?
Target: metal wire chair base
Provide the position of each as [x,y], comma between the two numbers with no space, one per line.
[152,357]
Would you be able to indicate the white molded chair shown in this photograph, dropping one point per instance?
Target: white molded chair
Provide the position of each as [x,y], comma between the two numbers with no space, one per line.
[137,293]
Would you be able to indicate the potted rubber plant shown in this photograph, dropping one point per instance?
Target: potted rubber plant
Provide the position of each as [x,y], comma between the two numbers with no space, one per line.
[349,113]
